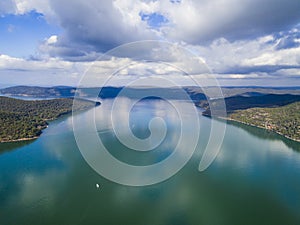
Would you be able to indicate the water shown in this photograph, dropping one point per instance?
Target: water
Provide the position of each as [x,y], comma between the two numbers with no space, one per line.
[27,98]
[254,180]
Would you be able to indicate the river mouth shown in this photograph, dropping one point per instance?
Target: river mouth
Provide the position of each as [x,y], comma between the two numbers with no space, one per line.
[255,179]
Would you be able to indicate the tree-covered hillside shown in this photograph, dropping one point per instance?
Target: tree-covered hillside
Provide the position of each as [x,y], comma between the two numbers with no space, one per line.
[284,120]
[21,119]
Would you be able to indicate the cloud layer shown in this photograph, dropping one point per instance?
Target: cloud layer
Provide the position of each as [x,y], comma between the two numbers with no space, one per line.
[252,39]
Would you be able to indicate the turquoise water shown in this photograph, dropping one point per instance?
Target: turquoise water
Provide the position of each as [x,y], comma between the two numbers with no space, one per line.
[255,178]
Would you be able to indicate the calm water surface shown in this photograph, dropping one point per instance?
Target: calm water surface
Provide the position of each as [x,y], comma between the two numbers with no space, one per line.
[255,179]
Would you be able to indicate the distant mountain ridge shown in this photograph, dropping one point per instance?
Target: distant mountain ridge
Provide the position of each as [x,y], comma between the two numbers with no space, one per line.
[240,102]
[105,92]
[39,92]
[269,100]
[196,93]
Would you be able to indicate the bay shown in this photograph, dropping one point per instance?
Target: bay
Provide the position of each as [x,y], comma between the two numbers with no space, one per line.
[255,178]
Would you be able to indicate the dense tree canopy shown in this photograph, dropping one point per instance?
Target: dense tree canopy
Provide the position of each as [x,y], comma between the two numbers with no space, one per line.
[284,120]
[21,119]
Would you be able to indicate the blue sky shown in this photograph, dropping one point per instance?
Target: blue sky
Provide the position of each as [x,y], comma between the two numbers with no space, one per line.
[21,34]
[53,42]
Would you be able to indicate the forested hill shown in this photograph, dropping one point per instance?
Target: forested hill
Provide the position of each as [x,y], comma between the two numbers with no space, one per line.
[242,102]
[284,120]
[21,119]
[270,100]
[278,113]
[39,92]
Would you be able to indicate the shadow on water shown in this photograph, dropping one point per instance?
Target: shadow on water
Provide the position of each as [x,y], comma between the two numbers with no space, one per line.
[265,134]
[10,146]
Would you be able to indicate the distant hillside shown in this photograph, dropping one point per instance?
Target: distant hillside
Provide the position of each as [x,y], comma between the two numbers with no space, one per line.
[249,91]
[196,93]
[39,92]
[242,102]
[152,93]
[105,92]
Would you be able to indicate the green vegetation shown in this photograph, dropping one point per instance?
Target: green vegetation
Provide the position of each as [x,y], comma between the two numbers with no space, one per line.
[241,102]
[278,113]
[284,120]
[21,120]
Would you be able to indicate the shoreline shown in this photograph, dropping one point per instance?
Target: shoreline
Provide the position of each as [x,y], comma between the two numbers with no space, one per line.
[31,138]
[19,140]
[252,125]
[41,126]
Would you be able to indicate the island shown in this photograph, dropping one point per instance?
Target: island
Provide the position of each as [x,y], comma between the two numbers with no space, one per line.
[24,120]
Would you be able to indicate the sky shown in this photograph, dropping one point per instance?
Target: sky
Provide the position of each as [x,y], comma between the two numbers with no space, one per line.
[242,42]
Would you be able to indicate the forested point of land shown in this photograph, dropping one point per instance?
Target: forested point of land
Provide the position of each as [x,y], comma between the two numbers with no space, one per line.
[284,120]
[21,120]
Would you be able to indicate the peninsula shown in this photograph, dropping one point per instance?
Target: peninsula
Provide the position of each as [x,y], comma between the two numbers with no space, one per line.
[25,120]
